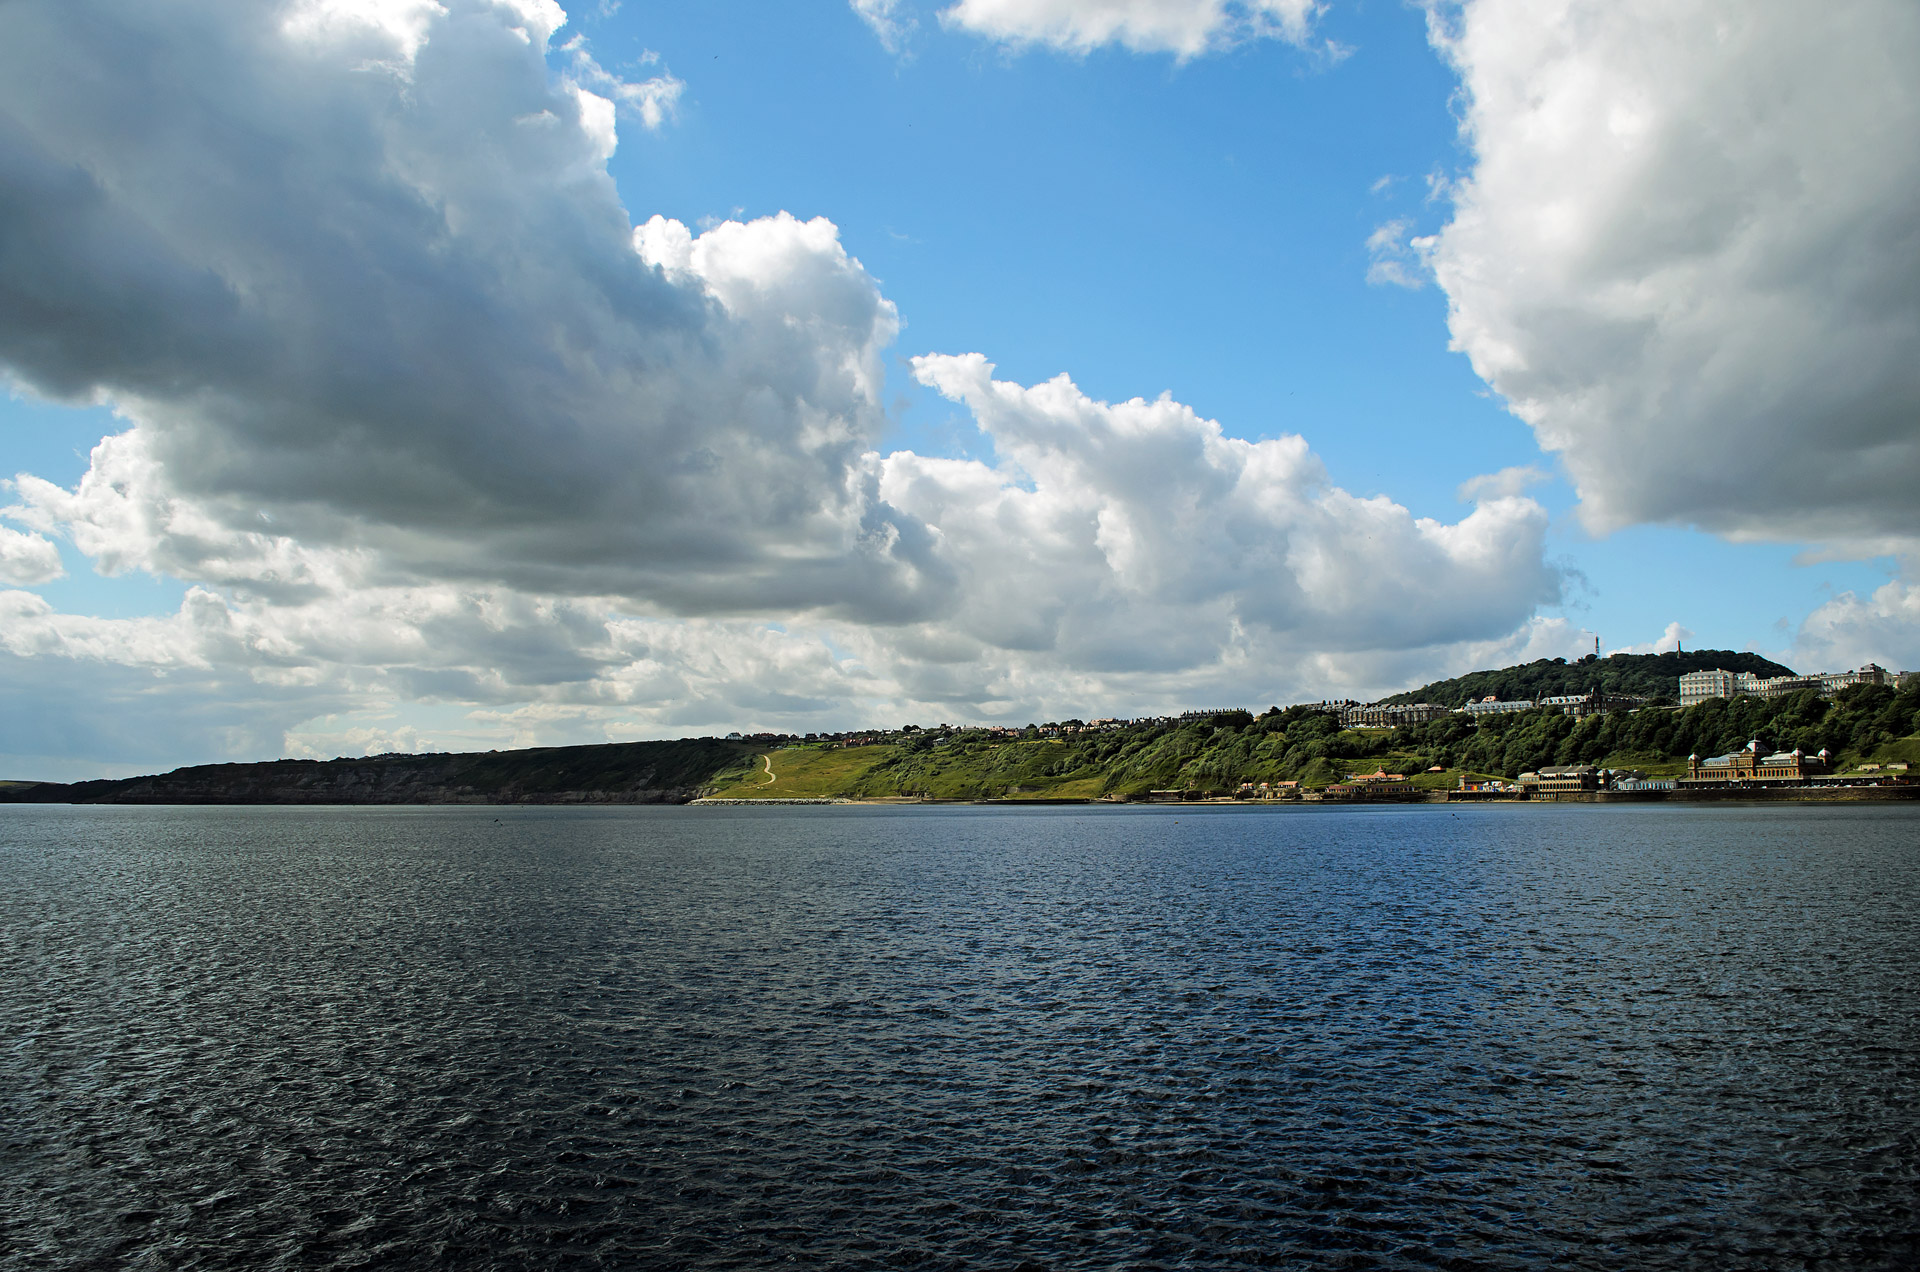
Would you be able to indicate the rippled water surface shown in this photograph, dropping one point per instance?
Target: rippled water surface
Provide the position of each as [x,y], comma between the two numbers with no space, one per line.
[1592,1037]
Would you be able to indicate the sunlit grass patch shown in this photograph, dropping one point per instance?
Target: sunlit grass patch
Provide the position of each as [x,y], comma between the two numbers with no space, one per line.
[802,772]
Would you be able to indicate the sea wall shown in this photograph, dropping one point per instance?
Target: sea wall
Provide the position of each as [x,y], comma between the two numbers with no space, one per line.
[1776,795]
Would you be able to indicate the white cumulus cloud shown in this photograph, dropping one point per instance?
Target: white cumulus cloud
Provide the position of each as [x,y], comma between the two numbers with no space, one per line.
[1120,512]
[426,420]
[1852,630]
[1687,253]
[27,559]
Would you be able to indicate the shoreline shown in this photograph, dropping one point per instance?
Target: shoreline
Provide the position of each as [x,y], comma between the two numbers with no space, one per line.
[1796,795]
[1908,793]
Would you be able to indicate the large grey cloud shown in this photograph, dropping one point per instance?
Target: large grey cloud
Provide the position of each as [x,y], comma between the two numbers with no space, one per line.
[426,418]
[1687,252]
[389,294]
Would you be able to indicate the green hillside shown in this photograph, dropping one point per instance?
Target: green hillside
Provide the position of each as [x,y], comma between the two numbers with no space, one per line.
[1861,723]
[1216,754]
[1632,675]
[1208,755]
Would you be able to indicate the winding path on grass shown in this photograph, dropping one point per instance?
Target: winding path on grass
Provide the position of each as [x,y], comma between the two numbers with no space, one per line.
[767,759]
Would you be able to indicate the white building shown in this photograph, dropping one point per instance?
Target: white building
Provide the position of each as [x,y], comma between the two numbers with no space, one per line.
[1697,687]
[1491,705]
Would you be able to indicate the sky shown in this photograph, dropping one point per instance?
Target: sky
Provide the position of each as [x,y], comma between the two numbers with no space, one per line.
[400,375]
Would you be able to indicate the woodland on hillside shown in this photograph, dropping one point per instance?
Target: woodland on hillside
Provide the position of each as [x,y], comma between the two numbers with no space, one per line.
[1217,753]
[1652,676]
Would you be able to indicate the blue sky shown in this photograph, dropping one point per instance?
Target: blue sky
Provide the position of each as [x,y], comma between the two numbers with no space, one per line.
[1144,222]
[1149,225]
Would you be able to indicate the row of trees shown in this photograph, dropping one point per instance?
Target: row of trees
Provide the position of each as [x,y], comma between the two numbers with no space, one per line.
[1857,722]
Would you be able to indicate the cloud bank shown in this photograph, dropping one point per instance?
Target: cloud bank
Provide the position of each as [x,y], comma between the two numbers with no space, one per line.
[425,415]
[1687,253]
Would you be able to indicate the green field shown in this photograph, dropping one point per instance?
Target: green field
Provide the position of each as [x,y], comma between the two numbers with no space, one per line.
[801,772]
[1002,770]
[1017,770]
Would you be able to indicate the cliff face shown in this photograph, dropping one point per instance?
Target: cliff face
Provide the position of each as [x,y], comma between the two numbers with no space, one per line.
[618,773]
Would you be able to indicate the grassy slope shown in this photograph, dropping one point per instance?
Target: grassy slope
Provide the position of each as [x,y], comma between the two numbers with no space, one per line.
[1011,770]
[802,772]
[1907,749]
[1007,770]
[1053,770]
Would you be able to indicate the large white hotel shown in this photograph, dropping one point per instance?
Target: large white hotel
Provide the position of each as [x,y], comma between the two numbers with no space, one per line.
[1697,687]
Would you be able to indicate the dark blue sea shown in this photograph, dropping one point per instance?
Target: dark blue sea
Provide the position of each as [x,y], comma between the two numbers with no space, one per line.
[951,1037]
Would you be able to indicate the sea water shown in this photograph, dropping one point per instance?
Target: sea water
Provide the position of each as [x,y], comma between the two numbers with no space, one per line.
[1483,1037]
